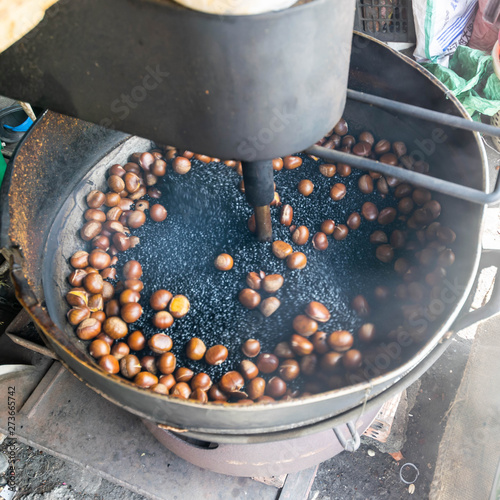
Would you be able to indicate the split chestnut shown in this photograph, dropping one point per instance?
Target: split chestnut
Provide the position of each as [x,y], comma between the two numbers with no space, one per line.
[231,382]
[300,235]
[338,191]
[318,312]
[179,306]
[281,249]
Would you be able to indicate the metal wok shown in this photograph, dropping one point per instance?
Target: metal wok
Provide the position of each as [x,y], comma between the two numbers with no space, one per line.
[61,158]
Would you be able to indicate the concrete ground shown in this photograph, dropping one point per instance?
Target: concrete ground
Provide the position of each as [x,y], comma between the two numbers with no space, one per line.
[371,474]
[367,474]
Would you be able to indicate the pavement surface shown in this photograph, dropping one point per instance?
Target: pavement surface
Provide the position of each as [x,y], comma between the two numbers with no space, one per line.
[370,473]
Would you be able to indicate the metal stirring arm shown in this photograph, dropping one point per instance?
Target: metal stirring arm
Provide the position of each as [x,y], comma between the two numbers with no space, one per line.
[415,178]
[423,113]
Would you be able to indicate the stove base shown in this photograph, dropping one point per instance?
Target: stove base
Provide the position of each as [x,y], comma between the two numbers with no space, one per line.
[58,414]
[259,459]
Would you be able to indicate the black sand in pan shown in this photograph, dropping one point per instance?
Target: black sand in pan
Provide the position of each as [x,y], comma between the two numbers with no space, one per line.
[207,215]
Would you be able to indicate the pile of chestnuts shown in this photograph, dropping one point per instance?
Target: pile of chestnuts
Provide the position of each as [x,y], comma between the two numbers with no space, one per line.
[105,302]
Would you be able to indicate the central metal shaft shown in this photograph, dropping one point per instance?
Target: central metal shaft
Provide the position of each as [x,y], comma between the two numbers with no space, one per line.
[259,189]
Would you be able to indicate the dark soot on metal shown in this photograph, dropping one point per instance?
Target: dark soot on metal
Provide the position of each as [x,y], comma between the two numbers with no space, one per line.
[207,215]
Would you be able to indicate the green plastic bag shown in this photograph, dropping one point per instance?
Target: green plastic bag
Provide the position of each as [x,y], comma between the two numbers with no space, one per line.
[471,78]
[3,165]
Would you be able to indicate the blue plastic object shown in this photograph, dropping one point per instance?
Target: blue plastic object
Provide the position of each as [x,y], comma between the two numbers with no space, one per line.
[21,128]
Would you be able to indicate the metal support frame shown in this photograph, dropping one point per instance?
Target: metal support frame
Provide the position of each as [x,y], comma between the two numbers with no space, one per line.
[415,178]
[424,114]
[351,444]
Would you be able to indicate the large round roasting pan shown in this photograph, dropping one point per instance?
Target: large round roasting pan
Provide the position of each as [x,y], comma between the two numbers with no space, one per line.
[62,157]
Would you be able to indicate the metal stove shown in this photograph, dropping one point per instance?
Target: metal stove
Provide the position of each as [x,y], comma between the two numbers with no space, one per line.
[106,435]
[52,415]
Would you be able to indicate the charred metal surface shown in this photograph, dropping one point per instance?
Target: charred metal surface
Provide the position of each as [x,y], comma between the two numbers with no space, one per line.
[22,331]
[44,351]
[41,175]
[259,191]
[368,72]
[32,305]
[111,442]
[19,323]
[258,178]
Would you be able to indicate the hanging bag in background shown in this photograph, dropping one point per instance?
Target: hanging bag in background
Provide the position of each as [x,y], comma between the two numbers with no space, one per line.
[441,26]
[484,33]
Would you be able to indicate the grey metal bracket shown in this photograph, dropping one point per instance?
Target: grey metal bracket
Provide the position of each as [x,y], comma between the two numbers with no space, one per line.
[351,444]
[415,178]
